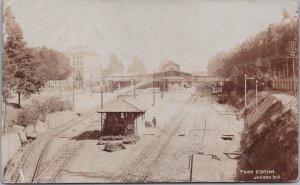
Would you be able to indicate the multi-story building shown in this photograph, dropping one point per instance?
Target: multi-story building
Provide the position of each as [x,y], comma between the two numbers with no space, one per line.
[85,64]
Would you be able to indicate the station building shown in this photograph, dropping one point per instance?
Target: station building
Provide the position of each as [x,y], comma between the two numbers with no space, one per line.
[123,117]
[170,77]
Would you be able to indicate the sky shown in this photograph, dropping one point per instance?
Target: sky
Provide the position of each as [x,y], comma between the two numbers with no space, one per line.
[188,32]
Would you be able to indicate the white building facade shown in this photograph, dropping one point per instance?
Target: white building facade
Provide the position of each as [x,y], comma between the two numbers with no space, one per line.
[86,64]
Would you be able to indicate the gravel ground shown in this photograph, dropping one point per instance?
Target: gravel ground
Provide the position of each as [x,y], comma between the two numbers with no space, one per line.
[92,164]
[203,128]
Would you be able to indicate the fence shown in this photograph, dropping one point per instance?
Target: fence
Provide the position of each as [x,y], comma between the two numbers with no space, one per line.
[284,84]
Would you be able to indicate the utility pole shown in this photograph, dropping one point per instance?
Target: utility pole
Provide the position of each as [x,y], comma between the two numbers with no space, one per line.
[292,50]
[153,85]
[245,91]
[73,89]
[256,102]
[91,84]
[294,75]
[191,167]
[60,90]
[134,85]
[101,97]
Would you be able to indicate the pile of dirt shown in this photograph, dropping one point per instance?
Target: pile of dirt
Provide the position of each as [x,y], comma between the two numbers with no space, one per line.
[269,145]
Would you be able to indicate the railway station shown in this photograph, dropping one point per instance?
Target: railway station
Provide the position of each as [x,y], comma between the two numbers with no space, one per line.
[123,117]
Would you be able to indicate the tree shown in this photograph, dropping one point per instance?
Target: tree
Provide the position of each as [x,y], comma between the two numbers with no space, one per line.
[20,70]
[137,67]
[54,64]
[115,66]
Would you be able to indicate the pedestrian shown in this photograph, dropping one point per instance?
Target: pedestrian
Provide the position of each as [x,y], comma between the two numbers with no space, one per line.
[154,122]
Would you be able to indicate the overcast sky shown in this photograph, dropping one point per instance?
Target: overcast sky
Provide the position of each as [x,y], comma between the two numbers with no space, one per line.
[188,32]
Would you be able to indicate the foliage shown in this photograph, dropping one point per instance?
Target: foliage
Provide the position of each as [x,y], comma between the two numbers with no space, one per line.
[25,70]
[20,72]
[131,139]
[115,66]
[137,67]
[54,64]
[114,146]
[29,115]
[252,57]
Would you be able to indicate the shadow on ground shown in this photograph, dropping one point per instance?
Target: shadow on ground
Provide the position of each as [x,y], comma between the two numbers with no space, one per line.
[88,135]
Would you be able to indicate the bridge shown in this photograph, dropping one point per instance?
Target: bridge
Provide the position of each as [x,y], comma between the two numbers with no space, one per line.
[155,77]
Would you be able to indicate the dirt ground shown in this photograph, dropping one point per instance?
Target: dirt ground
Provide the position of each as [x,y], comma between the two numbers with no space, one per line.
[92,164]
[202,129]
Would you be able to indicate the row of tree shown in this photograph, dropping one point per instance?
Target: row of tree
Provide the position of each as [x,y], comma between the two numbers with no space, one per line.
[116,66]
[25,69]
[243,58]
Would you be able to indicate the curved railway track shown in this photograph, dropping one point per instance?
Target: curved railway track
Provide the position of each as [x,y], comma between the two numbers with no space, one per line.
[65,155]
[149,158]
[35,153]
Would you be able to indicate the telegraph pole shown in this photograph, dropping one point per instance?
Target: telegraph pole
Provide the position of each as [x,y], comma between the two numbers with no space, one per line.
[73,89]
[245,91]
[134,85]
[292,50]
[101,97]
[60,90]
[91,84]
[256,102]
[153,85]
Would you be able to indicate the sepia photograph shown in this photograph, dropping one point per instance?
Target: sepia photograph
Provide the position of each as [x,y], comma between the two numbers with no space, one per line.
[149,91]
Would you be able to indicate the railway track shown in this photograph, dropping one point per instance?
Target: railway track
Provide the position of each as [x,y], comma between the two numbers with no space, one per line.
[33,156]
[65,155]
[149,158]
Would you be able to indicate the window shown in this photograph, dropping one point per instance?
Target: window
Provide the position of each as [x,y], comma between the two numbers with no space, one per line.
[122,115]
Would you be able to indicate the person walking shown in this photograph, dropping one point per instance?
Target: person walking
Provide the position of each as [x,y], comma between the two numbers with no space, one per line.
[154,122]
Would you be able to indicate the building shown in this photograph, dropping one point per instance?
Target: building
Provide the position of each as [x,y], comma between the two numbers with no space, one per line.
[170,77]
[168,65]
[123,117]
[85,63]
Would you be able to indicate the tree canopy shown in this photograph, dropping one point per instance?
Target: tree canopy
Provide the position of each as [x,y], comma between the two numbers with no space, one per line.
[268,43]
[137,67]
[114,66]
[25,70]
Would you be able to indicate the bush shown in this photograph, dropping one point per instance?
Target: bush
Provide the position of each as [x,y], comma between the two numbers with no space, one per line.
[111,138]
[111,147]
[132,139]
[29,115]
[54,104]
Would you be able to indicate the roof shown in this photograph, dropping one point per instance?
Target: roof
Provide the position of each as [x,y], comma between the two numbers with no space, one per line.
[173,72]
[170,62]
[122,105]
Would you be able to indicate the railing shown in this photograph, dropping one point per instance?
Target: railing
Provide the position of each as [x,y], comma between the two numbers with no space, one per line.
[284,84]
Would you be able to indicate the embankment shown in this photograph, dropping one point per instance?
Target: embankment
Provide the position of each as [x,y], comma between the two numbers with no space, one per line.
[269,142]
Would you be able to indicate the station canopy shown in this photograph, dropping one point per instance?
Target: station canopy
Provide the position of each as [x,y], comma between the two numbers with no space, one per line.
[125,105]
